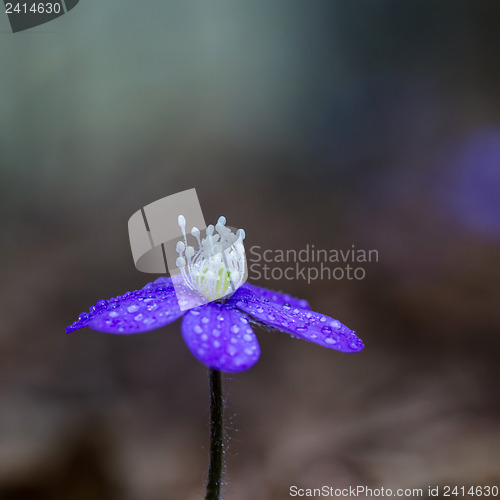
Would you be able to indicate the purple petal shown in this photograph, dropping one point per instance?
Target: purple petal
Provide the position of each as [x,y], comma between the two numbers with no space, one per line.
[139,311]
[276,298]
[220,337]
[307,325]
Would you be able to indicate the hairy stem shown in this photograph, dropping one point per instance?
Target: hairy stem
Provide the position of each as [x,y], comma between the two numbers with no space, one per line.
[216,436]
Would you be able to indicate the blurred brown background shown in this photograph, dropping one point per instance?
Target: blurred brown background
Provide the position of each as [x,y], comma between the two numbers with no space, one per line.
[373,123]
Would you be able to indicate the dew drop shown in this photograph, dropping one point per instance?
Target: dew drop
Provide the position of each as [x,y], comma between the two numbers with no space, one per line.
[326,329]
[270,316]
[216,343]
[295,311]
[198,329]
[204,337]
[330,340]
[138,317]
[231,350]
[102,303]
[322,319]
[260,310]
[133,308]
[247,337]
[83,316]
[301,329]
[194,312]
[220,317]
[335,324]
[243,319]
[235,328]
[205,320]
[248,351]
[149,321]
[152,307]
[287,306]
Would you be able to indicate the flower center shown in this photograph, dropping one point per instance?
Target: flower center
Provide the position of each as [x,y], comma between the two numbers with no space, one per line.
[218,267]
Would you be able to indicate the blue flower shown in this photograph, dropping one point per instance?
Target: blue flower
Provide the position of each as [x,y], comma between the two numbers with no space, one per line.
[218,333]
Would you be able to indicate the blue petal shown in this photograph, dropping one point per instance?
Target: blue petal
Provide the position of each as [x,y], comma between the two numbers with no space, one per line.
[276,298]
[139,311]
[220,337]
[302,323]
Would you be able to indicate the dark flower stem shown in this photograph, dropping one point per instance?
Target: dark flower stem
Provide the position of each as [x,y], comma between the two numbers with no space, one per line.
[216,435]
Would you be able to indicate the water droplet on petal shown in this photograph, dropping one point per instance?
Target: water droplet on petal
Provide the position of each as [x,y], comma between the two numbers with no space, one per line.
[243,319]
[101,304]
[138,317]
[231,350]
[247,337]
[326,329]
[195,312]
[205,320]
[287,306]
[295,311]
[322,319]
[82,316]
[335,323]
[270,317]
[204,337]
[260,310]
[248,351]
[198,329]
[330,340]
[216,333]
[113,314]
[133,308]
[149,321]
[235,328]
[301,329]
[216,343]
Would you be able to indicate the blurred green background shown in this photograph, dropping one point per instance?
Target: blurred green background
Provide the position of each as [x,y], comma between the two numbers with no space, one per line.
[373,123]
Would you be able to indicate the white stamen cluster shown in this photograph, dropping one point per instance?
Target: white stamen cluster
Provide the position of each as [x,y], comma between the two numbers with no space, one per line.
[218,267]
